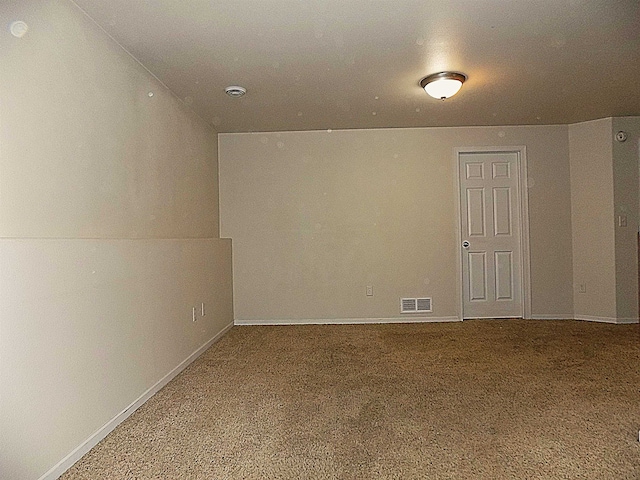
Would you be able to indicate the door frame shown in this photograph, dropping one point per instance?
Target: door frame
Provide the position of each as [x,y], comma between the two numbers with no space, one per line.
[525,260]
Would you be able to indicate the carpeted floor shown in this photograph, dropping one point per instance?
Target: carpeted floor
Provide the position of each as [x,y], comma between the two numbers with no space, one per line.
[508,399]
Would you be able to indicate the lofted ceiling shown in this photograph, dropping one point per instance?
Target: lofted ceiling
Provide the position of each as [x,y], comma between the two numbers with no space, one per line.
[335,64]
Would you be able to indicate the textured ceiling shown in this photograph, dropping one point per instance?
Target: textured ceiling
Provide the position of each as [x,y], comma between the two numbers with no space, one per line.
[320,64]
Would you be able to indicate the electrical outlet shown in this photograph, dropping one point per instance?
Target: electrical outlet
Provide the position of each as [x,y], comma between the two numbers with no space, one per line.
[369,291]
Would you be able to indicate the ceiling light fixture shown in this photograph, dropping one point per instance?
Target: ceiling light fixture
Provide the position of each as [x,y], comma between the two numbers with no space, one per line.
[443,85]
[235,91]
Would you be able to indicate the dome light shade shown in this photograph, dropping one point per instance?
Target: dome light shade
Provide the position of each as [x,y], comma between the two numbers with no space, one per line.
[443,85]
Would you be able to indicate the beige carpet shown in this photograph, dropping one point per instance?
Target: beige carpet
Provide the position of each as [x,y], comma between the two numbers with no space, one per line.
[474,400]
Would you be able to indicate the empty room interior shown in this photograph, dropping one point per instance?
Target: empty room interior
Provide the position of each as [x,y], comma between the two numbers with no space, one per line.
[252,239]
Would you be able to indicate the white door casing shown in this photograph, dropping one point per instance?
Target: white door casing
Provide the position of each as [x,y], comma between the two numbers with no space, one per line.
[493,234]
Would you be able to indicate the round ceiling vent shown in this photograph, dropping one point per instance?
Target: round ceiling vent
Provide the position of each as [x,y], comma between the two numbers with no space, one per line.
[235,91]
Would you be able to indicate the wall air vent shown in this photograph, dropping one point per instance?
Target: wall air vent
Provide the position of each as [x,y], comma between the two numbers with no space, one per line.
[415,305]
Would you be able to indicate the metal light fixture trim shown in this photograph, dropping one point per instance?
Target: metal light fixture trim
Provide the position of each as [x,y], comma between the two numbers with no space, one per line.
[443,85]
[235,91]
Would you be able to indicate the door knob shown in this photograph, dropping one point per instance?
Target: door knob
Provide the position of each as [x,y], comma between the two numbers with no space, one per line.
[465,244]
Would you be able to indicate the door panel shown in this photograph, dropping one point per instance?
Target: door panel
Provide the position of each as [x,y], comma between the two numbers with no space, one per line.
[490,222]
[504,275]
[501,170]
[475,212]
[502,211]
[478,274]
[475,170]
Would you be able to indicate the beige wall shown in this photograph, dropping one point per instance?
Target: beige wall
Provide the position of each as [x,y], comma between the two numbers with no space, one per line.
[592,219]
[88,326]
[626,161]
[604,187]
[108,236]
[85,151]
[315,217]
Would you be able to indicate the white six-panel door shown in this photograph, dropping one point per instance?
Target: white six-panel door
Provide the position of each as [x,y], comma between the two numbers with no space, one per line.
[490,234]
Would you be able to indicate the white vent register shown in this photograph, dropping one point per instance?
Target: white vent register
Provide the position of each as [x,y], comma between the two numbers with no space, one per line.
[415,305]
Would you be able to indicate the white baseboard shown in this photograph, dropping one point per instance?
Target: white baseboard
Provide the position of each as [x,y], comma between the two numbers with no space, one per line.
[415,319]
[347,321]
[586,318]
[591,318]
[68,461]
[626,321]
[621,321]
